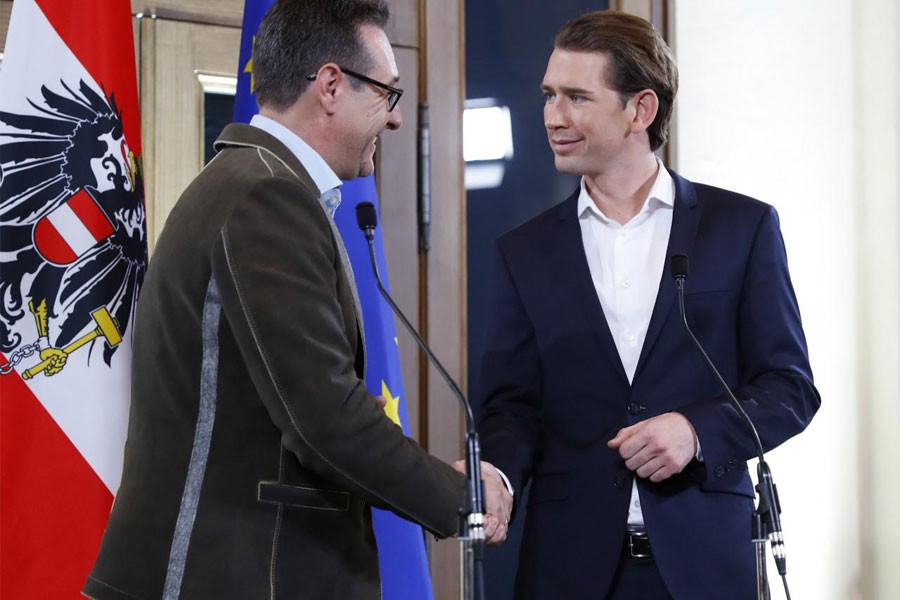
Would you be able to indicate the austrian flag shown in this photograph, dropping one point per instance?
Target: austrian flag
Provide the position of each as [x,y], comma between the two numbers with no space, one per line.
[73,253]
[71,230]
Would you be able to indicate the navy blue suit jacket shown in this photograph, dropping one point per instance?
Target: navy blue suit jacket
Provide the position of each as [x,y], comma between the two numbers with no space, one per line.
[554,392]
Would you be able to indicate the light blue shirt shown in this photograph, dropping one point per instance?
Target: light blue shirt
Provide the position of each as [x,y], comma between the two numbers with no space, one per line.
[325,179]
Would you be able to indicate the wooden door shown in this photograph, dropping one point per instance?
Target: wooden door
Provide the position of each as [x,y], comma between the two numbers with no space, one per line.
[182,58]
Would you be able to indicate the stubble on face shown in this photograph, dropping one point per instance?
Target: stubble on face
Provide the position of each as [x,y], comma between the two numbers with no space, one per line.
[368,114]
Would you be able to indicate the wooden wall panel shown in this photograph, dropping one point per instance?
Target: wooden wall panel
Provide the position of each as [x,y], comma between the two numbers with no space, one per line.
[403,30]
[445,294]
[5,9]
[173,53]
[397,177]
[219,12]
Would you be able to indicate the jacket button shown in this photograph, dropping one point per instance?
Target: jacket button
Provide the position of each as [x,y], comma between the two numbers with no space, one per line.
[635,409]
[619,481]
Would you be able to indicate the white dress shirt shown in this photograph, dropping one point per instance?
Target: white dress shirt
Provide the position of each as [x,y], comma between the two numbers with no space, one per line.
[626,264]
[322,175]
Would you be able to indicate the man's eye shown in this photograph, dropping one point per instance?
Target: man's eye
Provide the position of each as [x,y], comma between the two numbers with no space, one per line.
[548,96]
[576,99]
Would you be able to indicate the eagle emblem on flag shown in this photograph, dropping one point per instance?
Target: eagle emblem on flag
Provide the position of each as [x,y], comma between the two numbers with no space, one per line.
[73,251]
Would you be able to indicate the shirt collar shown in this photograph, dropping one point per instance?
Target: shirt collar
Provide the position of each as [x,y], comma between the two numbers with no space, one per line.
[662,193]
[321,174]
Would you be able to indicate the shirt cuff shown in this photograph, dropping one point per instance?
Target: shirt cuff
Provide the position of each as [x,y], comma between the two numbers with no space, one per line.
[506,482]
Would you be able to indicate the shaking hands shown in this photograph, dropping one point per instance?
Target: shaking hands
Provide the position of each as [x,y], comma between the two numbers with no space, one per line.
[498,502]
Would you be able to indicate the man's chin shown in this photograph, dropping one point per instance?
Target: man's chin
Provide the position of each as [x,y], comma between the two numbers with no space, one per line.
[566,165]
[366,169]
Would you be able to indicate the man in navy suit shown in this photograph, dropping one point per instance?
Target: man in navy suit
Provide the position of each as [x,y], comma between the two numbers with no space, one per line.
[593,392]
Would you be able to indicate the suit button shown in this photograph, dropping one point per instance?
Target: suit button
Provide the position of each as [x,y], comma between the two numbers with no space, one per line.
[635,409]
[619,481]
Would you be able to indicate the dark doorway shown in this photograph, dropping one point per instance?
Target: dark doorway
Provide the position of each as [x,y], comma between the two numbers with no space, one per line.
[508,43]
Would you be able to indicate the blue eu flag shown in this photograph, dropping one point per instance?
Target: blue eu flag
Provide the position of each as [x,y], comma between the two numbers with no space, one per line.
[401,545]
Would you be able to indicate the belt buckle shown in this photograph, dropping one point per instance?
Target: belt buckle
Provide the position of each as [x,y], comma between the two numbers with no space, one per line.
[641,536]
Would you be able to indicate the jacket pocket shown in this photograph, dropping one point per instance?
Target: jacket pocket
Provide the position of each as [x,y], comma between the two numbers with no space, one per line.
[305,497]
[735,481]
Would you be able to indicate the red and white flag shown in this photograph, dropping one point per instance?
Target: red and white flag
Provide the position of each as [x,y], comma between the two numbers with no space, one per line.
[73,253]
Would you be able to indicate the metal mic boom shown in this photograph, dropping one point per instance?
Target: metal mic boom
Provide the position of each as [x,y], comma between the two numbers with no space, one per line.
[769,507]
[473,518]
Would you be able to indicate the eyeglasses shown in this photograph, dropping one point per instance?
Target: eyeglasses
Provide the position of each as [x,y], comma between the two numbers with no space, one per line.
[393,94]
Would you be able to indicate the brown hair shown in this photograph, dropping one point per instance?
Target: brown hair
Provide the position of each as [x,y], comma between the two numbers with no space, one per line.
[639,59]
[296,37]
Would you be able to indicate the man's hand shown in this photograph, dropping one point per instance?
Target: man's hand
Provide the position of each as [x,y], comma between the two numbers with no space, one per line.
[498,503]
[657,448]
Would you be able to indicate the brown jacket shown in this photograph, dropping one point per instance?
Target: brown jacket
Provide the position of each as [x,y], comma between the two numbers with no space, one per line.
[254,450]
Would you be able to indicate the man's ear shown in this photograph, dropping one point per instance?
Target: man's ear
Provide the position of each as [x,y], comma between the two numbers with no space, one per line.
[645,105]
[326,86]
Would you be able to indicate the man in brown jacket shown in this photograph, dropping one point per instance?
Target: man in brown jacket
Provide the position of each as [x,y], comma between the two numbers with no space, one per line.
[254,450]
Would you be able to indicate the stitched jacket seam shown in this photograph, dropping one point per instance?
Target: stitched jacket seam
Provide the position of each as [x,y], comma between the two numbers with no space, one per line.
[112,587]
[272,376]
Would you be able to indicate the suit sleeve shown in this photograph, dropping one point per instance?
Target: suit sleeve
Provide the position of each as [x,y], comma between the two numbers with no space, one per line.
[509,420]
[277,268]
[776,386]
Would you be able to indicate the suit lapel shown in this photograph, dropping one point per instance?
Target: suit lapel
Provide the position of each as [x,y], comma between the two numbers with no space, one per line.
[291,161]
[569,251]
[685,222]
[357,304]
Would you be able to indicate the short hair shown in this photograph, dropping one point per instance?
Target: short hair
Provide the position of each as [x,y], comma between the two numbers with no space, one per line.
[297,37]
[639,59]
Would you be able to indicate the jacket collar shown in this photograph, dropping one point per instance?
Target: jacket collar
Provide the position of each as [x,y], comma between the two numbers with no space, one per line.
[247,136]
[570,250]
[685,222]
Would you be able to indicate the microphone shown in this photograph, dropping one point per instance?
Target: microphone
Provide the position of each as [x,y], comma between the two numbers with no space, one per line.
[367,219]
[473,519]
[769,507]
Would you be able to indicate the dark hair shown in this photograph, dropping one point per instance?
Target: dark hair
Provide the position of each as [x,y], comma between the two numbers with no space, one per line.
[296,37]
[639,59]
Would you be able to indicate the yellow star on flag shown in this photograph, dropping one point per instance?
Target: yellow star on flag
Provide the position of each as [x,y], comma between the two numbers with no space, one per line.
[392,408]
[248,68]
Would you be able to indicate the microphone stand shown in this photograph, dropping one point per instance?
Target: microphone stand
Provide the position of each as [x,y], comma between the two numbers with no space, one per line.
[471,535]
[765,521]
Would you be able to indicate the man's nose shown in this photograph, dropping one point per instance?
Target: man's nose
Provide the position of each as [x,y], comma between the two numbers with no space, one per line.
[554,115]
[395,119]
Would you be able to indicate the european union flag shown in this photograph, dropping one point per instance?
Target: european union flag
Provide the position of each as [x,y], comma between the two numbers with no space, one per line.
[401,545]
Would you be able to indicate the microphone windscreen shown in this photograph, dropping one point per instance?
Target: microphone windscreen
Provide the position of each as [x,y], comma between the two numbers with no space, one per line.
[681,268]
[366,217]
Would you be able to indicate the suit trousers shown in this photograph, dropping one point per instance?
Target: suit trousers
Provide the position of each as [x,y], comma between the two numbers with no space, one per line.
[637,579]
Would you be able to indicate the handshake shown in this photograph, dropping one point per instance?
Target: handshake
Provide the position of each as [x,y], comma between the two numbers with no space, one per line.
[498,502]
[497,497]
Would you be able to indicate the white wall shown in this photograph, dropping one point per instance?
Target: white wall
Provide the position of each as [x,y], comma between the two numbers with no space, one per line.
[795,103]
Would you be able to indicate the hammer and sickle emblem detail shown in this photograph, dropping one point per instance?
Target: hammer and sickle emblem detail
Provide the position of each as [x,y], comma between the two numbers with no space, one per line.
[55,358]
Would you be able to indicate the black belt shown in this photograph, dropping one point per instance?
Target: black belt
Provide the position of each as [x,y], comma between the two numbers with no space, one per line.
[637,544]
